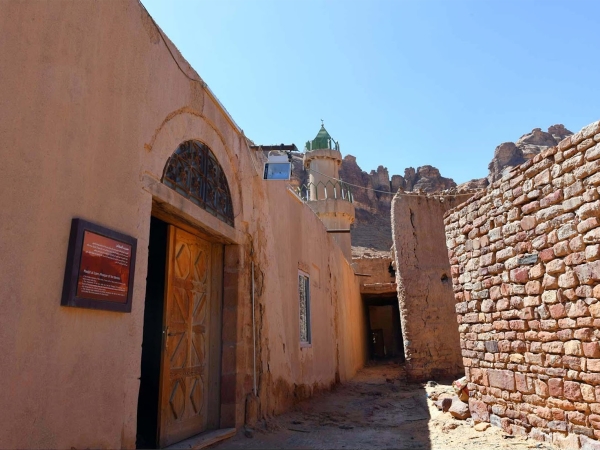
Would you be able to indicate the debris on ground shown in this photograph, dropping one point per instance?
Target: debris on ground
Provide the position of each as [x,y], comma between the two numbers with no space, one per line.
[443,404]
[368,412]
[459,409]
[482,426]
[460,388]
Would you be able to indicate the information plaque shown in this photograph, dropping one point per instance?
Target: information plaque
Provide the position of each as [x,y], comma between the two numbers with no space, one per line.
[100,268]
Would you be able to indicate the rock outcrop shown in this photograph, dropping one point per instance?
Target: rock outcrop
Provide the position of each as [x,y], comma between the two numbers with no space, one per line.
[426,179]
[511,154]
[372,226]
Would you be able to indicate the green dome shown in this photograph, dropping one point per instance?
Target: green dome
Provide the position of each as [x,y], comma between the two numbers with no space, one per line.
[323,140]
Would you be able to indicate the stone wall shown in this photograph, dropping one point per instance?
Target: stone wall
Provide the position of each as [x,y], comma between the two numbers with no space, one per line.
[431,342]
[525,260]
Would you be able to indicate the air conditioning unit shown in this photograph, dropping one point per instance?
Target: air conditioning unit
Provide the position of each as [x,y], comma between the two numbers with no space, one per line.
[277,167]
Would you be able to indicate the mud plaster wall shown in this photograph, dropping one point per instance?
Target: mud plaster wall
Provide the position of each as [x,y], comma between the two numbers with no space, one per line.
[377,269]
[290,371]
[431,342]
[525,265]
[93,105]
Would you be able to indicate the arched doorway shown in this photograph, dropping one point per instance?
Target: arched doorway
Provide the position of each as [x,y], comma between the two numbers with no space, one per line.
[181,350]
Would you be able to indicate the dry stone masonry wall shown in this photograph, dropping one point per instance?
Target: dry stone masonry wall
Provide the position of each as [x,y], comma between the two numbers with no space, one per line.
[525,264]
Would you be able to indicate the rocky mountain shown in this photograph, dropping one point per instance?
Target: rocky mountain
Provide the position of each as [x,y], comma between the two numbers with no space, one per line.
[511,154]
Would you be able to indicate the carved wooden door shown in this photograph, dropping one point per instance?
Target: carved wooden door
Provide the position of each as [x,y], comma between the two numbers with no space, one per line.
[184,396]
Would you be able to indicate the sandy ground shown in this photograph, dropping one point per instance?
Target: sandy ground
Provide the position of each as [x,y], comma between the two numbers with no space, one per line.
[376,410]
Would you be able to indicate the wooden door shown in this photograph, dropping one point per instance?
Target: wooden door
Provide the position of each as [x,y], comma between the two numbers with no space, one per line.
[190,361]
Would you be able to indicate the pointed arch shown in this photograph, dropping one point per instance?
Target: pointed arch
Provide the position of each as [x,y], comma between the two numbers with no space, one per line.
[194,172]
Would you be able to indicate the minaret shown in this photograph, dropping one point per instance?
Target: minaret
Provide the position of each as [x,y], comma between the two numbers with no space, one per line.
[329,197]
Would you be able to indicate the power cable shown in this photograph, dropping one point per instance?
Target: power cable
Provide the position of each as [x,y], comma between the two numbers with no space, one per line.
[378,190]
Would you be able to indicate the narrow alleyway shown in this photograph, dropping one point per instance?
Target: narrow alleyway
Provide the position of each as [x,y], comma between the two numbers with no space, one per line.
[376,410]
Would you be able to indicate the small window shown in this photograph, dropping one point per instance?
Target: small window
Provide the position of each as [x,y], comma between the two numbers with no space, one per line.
[304,297]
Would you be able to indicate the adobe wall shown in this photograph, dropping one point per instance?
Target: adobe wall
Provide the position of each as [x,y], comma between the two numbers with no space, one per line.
[289,371]
[525,270]
[379,279]
[93,105]
[431,342]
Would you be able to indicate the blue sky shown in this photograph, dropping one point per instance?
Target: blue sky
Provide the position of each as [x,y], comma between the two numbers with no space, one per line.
[398,82]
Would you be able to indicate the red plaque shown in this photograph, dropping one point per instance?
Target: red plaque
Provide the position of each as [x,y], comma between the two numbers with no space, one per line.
[100,266]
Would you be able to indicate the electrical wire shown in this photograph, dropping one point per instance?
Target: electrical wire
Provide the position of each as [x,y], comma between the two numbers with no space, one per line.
[380,191]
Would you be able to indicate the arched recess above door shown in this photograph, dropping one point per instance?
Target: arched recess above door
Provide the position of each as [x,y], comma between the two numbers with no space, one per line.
[194,172]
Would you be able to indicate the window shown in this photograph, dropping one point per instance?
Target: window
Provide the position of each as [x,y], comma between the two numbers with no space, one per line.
[304,297]
[194,172]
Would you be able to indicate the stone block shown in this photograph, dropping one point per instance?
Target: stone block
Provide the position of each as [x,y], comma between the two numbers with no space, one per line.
[591,350]
[576,417]
[572,391]
[593,153]
[533,287]
[568,280]
[573,362]
[547,254]
[588,224]
[569,442]
[589,444]
[502,379]
[524,383]
[519,275]
[573,348]
[575,259]
[557,310]
[459,409]
[566,231]
[589,210]
[573,203]
[491,346]
[546,214]
[588,393]
[561,248]
[590,378]
[550,282]
[550,296]
[555,387]
[592,236]
[577,309]
[555,266]
[557,425]
[592,252]
[587,273]
[479,410]
[593,365]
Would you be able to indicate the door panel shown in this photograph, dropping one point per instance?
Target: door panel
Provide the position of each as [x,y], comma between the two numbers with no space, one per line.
[186,356]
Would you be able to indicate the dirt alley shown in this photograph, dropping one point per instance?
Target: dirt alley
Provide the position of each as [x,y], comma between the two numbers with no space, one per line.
[375,410]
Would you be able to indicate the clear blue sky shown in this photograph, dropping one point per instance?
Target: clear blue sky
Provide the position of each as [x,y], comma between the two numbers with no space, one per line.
[398,82]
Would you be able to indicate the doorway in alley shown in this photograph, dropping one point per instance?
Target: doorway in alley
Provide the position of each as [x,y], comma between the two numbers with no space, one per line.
[383,324]
[179,392]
